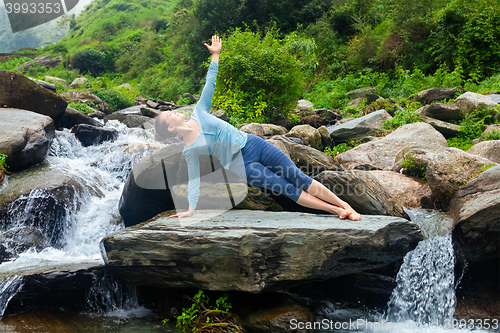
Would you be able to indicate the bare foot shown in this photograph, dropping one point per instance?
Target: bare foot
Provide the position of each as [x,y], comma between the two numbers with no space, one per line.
[342,213]
[354,216]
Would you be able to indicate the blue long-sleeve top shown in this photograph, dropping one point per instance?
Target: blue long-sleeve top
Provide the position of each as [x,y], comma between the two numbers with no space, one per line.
[217,137]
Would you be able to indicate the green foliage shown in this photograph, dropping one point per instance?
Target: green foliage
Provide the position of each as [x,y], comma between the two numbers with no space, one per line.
[84,107]
[495,135]
[115,100]
[13,63]
[201,317]
[413,167]
[3,165]
[483,167]
[405,114]
[261,76]
[460,142]
[90,60]
[341,147]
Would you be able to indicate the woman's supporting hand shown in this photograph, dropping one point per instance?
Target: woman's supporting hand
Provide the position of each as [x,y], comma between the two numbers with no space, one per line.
[190,212]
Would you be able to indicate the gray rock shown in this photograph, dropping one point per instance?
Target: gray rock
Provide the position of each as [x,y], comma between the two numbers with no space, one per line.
[471,101]
[330,117]
[18,91]
[487,149]
[476,211]
[437,94]
[44,84]
[84,96]
[448,130]
[304,105]
[380,154]
[490,129]
[280,145]
[132,120]
[307,133]
[90,135]
[441,111]
[362,191]
[78,82]
[408,191]
[148,112]
[253,128]
[356,102]
[494,97]
[26,137]
[446,169]
[326,140]
[360,93]
[357,128]
[74,117]
[271,129]
[47,60]
[254,251]
[221,114]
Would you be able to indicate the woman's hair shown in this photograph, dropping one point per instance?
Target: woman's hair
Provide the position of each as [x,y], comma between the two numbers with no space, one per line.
[161,129]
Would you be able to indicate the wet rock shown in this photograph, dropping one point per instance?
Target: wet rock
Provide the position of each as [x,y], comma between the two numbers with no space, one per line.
[448,130]
[254,251]
[437,94]
[74,117]
[132,120]
[471,101]
[83,96]
[380,154]
[441,111]
[79,82]
[278,319]
[446,170]
[408,191]
[26,137]
[90,135]
[18,91]
[476,209]
[307,133]
[487,149]
[20,239]
[362,191]
[357,128]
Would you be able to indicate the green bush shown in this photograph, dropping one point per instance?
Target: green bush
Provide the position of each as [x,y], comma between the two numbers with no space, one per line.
[84,107]
[495,135]
[341,147]
[3,165]
[261,76]
[115,100]
[90,60]
[413,167]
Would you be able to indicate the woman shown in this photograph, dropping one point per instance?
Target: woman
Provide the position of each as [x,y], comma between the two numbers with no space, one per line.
[265,165]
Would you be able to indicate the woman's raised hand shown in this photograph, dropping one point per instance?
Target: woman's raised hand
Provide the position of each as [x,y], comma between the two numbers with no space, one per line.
[216,46]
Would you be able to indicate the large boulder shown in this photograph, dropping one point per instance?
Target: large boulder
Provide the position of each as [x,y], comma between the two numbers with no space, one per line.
[253,128]
[271,129]
[360,93]
[476,213]
[441,111]
[362,191]
[487,149]
[446,170]
[79,82]
[17,91]
[471,101]
[410,192]
[307,133]
[132,120]
[74,117]
[253,251]
[47,61]
[437,94]
[380,154]
[84,96]
[26,137]
[357,128]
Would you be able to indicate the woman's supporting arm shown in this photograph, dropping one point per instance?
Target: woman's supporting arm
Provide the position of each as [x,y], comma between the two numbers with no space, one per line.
[193,184]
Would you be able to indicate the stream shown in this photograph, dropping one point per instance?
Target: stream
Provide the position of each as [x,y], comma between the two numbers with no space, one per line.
[424,296]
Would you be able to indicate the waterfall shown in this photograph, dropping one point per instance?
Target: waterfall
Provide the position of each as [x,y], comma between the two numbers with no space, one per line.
[8,289]
[68,228]
[425,290]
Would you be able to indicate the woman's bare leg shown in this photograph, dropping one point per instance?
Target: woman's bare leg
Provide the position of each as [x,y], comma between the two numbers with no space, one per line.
[310,201]
[322,192]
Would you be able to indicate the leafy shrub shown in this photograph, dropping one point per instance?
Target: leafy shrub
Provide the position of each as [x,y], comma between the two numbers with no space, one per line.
[115,100]
[261,77]
[201,317]
[406,114]
[90,60]
[495,135]
[3,165]
[413,167]
[84,107]
[340,148]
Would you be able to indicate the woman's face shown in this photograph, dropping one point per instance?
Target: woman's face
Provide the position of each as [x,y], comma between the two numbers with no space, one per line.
[173,118]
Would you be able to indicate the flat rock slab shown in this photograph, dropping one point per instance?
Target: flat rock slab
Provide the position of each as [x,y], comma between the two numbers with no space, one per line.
[254,251]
